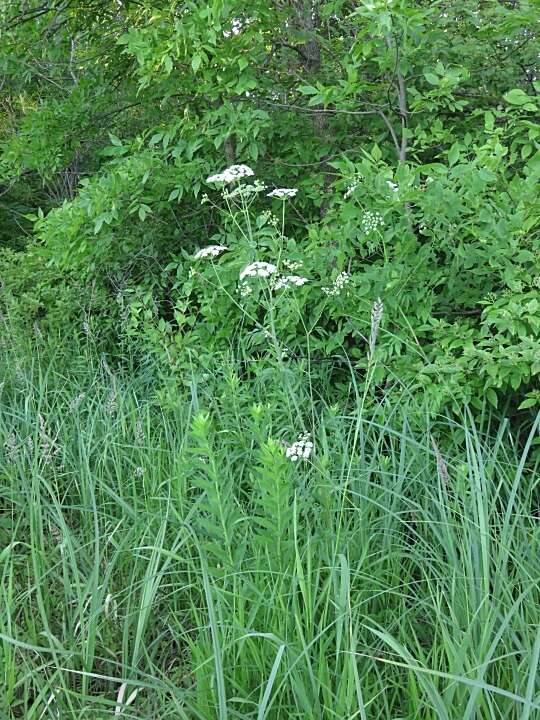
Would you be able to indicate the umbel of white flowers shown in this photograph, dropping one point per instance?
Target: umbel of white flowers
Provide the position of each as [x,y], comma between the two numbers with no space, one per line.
[210,251]
[286,281]
[232,173]
[301,449]
[338,285]
[258,269]
[282,193]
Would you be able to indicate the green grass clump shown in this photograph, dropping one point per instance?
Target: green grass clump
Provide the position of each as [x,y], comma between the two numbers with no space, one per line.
[161,557]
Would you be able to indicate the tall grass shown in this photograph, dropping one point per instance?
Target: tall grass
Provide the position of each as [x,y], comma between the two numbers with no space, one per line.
[160,557]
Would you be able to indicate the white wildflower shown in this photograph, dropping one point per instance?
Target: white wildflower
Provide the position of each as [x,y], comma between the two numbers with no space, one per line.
[285,281]
[244,289]
[371,221]
[258,269]
[232,173]
[301,449]
[393,187]
[268,217]
[236,27]
[283,193]
[210,251]
[337,286]
[139,472]
[292,265]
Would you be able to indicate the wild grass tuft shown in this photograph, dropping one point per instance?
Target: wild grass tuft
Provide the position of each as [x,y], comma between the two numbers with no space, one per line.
[169,561]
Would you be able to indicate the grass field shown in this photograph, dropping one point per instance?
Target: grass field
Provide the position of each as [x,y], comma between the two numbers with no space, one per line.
[162,557]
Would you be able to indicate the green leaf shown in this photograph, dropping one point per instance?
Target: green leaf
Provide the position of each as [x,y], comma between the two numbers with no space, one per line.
[144,210]
[431,78]
[517,97]
[196,62]
[376,153]
[491,396]
[454,153]
[307,90]
[167,64]
[529,402]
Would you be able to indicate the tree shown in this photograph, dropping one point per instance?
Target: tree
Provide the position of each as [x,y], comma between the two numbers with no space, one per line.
[426,110]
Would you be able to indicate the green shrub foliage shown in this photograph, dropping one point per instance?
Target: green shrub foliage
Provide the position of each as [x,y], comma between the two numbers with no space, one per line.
[408,129]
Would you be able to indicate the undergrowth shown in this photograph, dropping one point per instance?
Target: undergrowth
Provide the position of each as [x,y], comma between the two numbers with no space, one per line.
[163,556]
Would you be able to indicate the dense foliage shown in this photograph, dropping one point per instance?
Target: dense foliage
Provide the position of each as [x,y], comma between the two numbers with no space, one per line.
[409,129]
[269,359]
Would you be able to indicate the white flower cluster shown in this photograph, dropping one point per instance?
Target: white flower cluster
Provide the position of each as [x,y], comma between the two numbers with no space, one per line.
[338,285]
[283,193]
[286,281]
[267,216]
[301,449]
[291,265]
[371,221]
[393,187]
[245,289]
[258,269]
[235,172]
[210,251]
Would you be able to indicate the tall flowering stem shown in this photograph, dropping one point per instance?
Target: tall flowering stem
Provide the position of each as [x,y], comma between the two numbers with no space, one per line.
[376,317]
